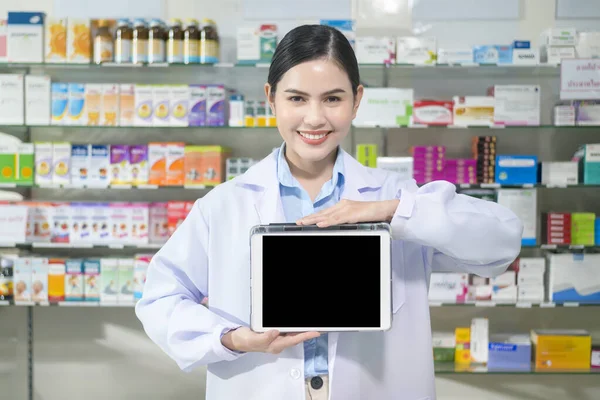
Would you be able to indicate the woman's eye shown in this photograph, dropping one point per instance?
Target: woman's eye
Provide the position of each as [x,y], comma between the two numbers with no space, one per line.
[332,99]
[295,99]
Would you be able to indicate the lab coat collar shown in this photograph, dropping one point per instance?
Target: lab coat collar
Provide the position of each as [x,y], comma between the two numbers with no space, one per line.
[360,185]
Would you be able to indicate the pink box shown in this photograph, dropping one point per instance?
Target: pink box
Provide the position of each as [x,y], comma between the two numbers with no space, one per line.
[159,223]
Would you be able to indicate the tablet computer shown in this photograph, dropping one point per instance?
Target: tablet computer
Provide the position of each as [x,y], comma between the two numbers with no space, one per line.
[305,278]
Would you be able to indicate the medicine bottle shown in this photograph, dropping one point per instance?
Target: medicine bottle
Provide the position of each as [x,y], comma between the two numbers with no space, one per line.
[209,42]
[103,43]
[175,42]
[123,39]
[156,42]
[191,42]
[140,42]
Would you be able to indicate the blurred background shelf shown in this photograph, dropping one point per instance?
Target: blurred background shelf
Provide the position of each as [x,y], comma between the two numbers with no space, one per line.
[443,368]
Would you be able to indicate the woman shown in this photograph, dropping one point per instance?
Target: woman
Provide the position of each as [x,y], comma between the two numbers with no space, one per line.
[313,88]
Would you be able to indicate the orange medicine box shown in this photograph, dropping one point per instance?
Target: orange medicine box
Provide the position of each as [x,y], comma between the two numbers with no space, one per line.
[213,164]
[56,280]
[176,213]
[561,349]
[462,354]
[157,163]
[174,164]
[193,166]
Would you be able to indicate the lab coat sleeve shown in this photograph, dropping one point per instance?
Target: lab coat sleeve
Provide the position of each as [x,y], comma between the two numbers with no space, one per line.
[461,233]
[170,308]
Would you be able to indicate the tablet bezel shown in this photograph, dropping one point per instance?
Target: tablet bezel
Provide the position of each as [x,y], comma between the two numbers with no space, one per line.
[256,287]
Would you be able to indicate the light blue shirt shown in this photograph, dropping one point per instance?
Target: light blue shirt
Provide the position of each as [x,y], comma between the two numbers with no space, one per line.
[297,204]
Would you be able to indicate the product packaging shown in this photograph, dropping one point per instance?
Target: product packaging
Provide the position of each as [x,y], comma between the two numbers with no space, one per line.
[25,37]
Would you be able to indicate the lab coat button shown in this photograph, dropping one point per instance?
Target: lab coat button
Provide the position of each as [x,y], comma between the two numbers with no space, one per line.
[316,382]
[295,373]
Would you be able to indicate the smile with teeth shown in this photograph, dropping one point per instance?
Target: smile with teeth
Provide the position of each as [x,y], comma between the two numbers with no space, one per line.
[313,137]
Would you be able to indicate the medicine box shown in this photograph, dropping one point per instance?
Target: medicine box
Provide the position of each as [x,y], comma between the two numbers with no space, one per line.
[125,268]
[462,353]
[416,50]
[516,169]
[110,105]
[517,105]
[60,103]
[523,202]
[77,111]
[138,162]
[448,287]
[159,223]
[493,54]
[385,107]
[74,286]
[43,163]
[120,173]
[61,163]
[80,224]
[161,102]
[479,340]
[560,173]
[574,278]
[532,266]
[197,106]
[587,112]
[366,154]
[256,43]
[56,280]
[127,102]
[455,56]
[589,164]
[555,54]
[120,218]
[25,37]
[376,50]
[55,38]
[109,280]
[215,105]
[22,279]
[179,102]
[92,280]
[400,165]
[444,346]
[93,103]
[564,115]
[175,164]
[79,44]
[473,110]
[99,218]
[509,352]
[37,100]
[157,163]
[140,269]
[3,41]
[561,349]
[432,112]
[12,99]
[582,229]
[144,105]
[39,279]
[140,220]
[80,164]
[99,165]
[560,37]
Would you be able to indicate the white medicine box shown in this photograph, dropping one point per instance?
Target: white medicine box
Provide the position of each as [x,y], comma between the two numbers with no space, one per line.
[25,37]
[37,100]
[11,99]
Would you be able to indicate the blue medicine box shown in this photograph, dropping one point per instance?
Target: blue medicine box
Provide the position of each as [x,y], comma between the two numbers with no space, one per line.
[494,54]
[521,44]
[509,352]
[516,169]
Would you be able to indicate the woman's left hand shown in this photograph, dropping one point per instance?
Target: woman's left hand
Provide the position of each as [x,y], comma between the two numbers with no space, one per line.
[351,212]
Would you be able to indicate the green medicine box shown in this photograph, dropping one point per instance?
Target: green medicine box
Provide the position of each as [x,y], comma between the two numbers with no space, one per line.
[16,164]
[366,154]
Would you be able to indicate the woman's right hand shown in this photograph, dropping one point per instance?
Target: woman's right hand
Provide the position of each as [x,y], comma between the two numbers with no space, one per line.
[245,340]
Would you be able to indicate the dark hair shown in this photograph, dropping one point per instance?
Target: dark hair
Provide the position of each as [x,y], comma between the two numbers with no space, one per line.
[313,42]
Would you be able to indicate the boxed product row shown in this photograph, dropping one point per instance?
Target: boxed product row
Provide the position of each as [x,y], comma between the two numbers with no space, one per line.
[577,112]
[566,228]
[35,100]
[53,280]
[557,278]
[34,37]
[503,105]
[522,282]
[538,350]
[100,165]
[95,223]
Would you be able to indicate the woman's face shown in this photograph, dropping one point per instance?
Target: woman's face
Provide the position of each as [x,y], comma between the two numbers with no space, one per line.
[314,106]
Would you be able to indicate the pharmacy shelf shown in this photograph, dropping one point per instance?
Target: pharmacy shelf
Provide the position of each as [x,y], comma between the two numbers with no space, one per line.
[441,127]
[7,303]
[112,246]
[492,304]
[442,368]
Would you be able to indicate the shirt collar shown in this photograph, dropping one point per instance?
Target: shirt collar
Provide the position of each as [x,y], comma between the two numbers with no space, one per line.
[285,177]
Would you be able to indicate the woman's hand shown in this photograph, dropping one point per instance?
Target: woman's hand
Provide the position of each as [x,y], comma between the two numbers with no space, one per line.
[245,340]
[351,212]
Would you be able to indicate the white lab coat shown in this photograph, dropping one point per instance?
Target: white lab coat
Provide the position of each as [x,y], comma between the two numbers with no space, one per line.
[433,228]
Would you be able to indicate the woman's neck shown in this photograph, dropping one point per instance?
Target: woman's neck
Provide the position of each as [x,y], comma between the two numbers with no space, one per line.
[304,170]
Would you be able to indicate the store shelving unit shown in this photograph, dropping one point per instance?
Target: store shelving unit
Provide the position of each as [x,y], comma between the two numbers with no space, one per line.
[441,81]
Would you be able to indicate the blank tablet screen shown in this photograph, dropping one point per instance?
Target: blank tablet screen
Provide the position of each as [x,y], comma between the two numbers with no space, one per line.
[321,281]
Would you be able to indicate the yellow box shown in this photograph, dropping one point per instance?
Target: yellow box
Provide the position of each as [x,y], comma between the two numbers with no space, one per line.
[79,41]
[56,40]
[462,353]
[561,349]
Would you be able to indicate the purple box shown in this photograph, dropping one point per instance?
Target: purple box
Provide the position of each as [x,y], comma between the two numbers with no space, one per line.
[428,149]
[215,105]
[509,352]
[119,164]
[197,108]
[138,161]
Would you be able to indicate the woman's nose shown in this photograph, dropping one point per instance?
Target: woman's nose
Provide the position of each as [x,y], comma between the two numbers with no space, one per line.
[315,116]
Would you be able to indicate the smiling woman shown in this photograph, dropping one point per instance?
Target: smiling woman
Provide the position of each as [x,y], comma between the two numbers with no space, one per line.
[313,88]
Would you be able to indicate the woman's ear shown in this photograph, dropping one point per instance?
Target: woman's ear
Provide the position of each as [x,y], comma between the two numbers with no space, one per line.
[270,99]
[357,98]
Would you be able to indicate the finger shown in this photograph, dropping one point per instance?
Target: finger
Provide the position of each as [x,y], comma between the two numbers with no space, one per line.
[265,339]
[309,219]
[283,342]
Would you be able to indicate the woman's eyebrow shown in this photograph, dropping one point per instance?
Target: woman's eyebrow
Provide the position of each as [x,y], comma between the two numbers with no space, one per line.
[327,93]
